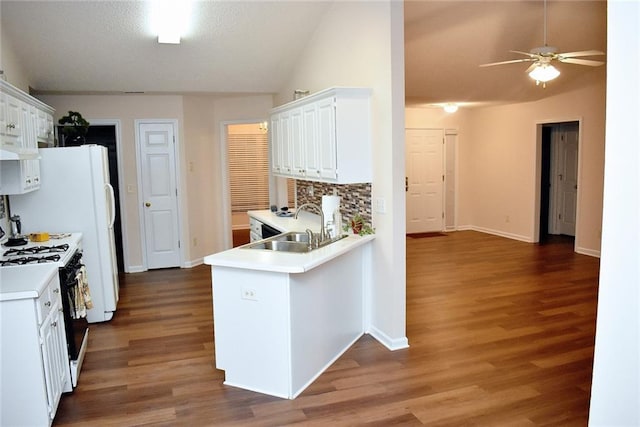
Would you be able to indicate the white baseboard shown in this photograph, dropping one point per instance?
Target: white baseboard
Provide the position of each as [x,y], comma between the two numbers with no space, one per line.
[193,263]
[589,252]
[501,234]
[135,269]
[391,343]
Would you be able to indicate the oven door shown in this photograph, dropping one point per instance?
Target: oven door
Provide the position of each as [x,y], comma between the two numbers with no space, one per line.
[76,329]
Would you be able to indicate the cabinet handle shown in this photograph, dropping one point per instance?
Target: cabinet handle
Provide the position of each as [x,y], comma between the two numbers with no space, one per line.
[11,126]
[54,324]
[48,303]
[56,291]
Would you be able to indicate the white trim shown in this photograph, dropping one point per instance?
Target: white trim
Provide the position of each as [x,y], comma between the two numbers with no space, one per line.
[589,252]
[194,263]
[500,233]
[224,175]
[391,343]
[535,237]
[177,161]
[136,269]
[122,190]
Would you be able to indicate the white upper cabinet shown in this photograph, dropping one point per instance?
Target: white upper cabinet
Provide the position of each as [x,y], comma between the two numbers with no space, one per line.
[24,121]
[324,137]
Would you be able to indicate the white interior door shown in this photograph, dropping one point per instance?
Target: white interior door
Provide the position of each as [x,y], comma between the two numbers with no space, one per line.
[159,194]
[425,180]
[568,181]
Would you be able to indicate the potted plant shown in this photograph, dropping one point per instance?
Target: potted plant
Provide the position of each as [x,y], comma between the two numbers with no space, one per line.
[74,127]
[358,226]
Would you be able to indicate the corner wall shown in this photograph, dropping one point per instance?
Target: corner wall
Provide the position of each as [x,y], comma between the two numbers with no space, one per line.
[362,44]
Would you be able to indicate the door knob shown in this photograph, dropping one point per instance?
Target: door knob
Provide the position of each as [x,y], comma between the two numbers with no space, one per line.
[147,204]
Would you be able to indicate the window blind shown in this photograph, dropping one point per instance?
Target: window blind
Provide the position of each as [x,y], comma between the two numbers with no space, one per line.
[248,171]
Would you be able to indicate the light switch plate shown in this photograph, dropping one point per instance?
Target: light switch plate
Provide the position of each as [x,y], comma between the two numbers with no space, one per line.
[381,206]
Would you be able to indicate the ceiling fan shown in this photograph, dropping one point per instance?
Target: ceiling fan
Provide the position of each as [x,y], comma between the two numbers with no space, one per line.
[542,70]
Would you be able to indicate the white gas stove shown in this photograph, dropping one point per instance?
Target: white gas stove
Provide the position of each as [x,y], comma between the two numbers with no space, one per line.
[58,249]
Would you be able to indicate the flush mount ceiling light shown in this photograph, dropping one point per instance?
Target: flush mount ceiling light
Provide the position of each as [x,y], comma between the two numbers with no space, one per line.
[450,107]
[171,19]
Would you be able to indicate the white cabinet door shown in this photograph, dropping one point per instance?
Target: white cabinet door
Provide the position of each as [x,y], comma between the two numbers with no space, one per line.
[44,126]
[297,144]
[327,138]
[53,354]
[285,143]
[11,131]
[310,127]
[276,144]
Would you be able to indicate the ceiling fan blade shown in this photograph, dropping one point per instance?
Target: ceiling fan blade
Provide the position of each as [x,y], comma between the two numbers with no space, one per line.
[513,61]
[581,53]
[581,61]
[529,54]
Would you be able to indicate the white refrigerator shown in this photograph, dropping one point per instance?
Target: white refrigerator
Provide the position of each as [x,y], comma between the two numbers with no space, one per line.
[75,196]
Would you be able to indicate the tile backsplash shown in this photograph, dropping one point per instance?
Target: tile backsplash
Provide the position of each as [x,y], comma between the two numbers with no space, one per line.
[354,198]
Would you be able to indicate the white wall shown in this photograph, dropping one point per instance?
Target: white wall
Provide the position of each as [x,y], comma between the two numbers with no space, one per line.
[361,44]
[615,391]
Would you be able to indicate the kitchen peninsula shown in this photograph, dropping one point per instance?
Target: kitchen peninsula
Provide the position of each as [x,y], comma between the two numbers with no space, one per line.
[282,318]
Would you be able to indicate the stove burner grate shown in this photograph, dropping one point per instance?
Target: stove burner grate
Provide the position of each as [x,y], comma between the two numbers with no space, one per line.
[37,250]
[30,260]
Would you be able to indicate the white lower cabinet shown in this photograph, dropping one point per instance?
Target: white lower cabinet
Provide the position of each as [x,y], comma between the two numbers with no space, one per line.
[324,137]
[35,361]
[255,229]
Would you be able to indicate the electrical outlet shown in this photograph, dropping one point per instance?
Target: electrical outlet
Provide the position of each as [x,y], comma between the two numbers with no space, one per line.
[249,294]
[381,206]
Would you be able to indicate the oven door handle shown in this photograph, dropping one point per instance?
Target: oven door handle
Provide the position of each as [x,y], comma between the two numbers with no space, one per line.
[112,204]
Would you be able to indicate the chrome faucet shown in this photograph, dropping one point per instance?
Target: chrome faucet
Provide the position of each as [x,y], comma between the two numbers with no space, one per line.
[317,208]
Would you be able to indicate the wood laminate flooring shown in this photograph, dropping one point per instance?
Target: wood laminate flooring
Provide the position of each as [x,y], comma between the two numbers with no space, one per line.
[501,333]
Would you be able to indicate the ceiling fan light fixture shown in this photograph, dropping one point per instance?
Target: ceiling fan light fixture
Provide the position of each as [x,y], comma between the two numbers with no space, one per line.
[544,73]
[450,108]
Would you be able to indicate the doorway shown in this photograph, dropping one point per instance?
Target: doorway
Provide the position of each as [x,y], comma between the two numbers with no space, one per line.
[158,193]
[558,180]
[106,134]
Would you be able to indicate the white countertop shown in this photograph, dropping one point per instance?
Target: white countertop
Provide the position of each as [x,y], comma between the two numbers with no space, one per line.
[25,281]
[285,262]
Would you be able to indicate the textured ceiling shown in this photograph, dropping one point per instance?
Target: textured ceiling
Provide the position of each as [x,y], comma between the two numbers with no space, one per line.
[233,46]
[251,46]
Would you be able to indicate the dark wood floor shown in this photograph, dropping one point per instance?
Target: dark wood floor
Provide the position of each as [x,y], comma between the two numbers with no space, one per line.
[501,334]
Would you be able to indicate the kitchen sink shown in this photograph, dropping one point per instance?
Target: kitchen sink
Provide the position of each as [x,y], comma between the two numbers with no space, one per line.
[281,246]
[293,236]
[293,241]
